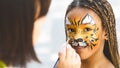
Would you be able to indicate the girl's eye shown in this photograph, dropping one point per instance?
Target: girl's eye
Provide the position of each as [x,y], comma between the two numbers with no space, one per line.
[71,30]
[87,29]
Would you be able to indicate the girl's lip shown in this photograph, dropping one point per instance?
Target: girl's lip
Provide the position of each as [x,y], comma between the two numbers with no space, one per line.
[79,47]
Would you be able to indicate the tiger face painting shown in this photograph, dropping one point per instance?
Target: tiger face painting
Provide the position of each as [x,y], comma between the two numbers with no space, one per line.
[83,29]
[82,32]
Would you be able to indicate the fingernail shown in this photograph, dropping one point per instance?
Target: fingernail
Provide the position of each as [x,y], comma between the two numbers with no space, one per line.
[68,46]
[63,48]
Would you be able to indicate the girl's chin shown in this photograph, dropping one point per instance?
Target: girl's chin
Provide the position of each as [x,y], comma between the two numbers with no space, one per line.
[82,51]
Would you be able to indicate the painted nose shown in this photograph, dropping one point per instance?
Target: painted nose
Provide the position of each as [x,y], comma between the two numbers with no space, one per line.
[79,40]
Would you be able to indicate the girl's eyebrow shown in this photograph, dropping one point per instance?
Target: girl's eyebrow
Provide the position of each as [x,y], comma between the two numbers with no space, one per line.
[67,20]
[73,22]
[84,17]
[87,19]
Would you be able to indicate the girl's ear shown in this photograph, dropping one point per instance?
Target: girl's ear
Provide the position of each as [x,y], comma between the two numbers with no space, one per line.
[105,36]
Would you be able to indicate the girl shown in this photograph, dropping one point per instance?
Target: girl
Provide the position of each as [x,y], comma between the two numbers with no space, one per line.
[91,31]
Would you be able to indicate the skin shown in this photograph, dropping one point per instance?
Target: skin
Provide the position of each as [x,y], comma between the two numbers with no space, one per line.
[90,57]
[37,23]
[37,29]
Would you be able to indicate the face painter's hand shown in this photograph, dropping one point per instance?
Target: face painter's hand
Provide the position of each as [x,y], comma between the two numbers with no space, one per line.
[68,58]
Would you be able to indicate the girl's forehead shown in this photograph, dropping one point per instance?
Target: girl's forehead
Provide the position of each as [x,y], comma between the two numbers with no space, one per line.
[78,13]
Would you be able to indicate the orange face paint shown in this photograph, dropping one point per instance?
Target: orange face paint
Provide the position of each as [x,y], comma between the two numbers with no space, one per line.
[82,32]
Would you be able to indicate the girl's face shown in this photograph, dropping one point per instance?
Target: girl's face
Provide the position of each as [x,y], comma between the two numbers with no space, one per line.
[84,32]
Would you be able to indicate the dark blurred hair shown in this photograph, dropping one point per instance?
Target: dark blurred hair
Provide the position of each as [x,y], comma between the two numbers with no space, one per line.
[44,7]
[16,29]
[104,10]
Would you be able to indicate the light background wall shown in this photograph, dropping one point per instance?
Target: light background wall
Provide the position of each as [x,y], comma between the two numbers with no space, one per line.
[53,35]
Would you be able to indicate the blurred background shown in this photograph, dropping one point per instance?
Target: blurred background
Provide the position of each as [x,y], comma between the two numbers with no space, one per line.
[53,36]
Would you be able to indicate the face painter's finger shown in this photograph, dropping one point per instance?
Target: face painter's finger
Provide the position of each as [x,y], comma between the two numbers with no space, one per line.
[62,52]
[61,56]
[73,54]
[68,52]
[78,57]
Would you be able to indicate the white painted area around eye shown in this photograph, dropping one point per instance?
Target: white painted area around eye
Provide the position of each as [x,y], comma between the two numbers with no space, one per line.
[88,20]
[67,21]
